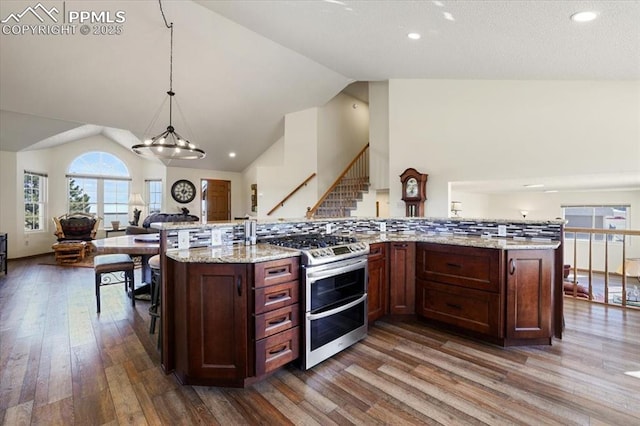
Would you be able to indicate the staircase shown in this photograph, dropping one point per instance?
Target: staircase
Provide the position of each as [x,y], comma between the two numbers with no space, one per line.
[343,196]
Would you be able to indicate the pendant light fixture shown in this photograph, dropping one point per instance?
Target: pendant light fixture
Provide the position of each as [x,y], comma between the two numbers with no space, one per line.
[169,144]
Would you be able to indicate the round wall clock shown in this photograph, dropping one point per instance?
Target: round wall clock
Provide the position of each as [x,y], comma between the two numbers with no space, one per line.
[183,191]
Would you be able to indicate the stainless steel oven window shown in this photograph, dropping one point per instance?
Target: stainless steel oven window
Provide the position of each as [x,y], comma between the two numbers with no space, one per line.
[328,328]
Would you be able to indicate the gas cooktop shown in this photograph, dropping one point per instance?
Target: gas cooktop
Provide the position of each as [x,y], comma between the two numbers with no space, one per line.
[323,248]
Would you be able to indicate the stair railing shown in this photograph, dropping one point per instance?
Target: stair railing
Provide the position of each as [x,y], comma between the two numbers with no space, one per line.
[622,292]
[355,171]
[296,189]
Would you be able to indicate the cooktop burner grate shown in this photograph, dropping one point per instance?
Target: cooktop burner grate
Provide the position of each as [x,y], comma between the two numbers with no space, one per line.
[312,241]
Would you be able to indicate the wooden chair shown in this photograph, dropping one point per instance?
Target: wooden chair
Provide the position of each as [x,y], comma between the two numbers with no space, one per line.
[78,226]
[107,268]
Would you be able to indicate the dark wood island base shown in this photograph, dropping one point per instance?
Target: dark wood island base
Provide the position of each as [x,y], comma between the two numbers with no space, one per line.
[233,324]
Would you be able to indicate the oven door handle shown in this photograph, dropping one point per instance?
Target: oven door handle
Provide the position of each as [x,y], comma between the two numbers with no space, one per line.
[313,276]
[339,309]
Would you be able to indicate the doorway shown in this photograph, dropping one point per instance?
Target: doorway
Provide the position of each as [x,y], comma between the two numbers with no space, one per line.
[216,200]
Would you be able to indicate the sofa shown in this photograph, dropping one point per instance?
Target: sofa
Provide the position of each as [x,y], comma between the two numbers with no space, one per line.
[160,217]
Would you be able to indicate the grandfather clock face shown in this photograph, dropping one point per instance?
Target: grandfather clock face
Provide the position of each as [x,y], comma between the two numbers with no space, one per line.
[414,192]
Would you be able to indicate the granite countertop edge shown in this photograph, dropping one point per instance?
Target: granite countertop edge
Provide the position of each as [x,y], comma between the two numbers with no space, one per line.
[262,252]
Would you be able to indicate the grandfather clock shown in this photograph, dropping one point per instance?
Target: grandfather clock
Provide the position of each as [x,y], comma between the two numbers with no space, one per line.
[414,191]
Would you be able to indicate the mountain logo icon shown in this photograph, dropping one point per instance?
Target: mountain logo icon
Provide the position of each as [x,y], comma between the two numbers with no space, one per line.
[37,11]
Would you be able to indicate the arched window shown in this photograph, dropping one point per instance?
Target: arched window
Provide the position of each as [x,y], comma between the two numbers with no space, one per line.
[98,182]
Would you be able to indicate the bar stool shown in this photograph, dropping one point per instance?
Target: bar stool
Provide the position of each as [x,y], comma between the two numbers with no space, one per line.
[107,267]
[154,265]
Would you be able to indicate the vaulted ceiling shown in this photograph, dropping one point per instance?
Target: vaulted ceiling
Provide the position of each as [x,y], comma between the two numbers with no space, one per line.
[240,66]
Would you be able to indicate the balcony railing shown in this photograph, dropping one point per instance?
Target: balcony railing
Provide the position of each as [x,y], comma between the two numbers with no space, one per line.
[603,266]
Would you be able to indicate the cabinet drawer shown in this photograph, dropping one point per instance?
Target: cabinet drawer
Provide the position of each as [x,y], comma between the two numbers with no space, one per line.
[470,309]
[277,350]
[377,251]
[463,266]
[276,296]
[278,320]
[277,271]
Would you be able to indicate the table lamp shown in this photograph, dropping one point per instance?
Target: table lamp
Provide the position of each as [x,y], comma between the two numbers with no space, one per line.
[135,200]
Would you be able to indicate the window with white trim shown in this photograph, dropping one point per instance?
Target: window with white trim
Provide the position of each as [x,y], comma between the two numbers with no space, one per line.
[98,182]
[35,196]
[153,195]
[596,217]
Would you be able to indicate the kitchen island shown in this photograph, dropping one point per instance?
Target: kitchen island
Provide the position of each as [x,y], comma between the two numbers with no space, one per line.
[222,330]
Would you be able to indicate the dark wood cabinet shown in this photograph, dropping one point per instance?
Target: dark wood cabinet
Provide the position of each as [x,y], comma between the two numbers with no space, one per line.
[3,252]
[211,323]
[378,289]
[232,323]
[402,278]
[276,295]
[501,296]
[529,278]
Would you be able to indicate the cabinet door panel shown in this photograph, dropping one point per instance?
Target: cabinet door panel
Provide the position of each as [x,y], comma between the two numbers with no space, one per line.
[474,310]
[216,338]
[402,288]
[378,289]
[529,294]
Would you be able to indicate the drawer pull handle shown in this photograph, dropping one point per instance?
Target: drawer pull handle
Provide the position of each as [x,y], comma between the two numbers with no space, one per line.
[278,320]
[401,245]
[277,271]
[454,265]
[375,251]
[239,284]
[278,350]
[512,266]
[454,306]
[282,295]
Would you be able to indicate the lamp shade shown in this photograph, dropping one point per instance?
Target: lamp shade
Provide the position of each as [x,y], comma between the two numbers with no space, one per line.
[135,199]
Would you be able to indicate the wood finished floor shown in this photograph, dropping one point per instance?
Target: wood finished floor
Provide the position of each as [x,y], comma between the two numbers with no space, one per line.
[62,364]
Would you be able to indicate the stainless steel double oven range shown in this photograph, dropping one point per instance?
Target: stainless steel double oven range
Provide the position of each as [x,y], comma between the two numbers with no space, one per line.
[334,286]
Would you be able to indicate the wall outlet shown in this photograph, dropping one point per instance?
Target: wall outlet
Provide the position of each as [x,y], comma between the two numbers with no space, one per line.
[183,240]
[383,226]
[216,237]
[329,228]
[502,230]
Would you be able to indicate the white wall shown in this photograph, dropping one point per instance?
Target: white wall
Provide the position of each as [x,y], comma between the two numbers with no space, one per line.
[379,135]
[342,132]
[299,155]
[272,157]
[475,205]
[9,191]
[476,130]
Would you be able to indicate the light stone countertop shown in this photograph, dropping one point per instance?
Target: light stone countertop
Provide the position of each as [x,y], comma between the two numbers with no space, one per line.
[461,240]
[238,253]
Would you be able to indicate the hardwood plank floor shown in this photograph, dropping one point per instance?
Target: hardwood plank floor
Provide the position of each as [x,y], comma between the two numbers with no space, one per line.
[62,364]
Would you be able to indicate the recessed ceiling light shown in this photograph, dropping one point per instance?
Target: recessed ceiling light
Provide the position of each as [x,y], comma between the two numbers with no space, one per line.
[448,16]
[414,36]
[232,154]
[584,16]
[551,191]
[534,185]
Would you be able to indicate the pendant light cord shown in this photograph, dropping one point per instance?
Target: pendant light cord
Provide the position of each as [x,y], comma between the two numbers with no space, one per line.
[170,92]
